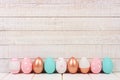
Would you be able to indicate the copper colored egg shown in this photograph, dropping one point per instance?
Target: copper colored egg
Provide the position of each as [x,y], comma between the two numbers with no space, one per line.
[72,65]
[38,65]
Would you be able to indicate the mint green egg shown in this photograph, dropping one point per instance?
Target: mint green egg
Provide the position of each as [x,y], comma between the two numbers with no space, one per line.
[107,65]
[49,65]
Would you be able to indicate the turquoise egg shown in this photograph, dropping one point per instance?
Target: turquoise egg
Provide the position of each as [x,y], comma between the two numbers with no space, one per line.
[49,65]
[107,65]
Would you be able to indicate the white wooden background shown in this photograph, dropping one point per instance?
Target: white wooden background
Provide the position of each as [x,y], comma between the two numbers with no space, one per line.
[59,28]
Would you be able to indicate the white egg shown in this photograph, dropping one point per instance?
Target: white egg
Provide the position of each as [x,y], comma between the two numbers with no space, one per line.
[61,65]
[14,65]
[84,65]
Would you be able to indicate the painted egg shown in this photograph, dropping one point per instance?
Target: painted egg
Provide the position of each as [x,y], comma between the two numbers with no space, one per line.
[38,65]
[107,65]
[49,65]
[26,65]
[96,65]
[14,65]
[72,65]
[61,65]
[84,65]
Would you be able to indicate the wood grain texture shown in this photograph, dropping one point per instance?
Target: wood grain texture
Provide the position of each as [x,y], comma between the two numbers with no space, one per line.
[76,77]
[104,77]
[19,77]
[66,51]
[55,51]
[51,37]
[60,76]
[77,8]
[60,24]
[4,63]
[59,28]
[47,77]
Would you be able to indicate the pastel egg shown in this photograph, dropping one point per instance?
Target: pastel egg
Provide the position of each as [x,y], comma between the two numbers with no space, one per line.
[14,65]
[96,65]
[84,65]
[72,65]
[26,65]
[61,65]
[107,65]
[49,65]
[38,65]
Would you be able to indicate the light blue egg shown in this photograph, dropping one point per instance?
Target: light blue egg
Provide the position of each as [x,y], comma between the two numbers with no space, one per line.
[107,65]
[49,65]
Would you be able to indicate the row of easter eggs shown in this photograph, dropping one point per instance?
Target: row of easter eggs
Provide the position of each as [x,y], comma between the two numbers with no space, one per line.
[61,66]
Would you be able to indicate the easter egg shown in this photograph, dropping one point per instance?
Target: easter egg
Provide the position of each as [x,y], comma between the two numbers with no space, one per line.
[14,65]
[26,65]
[72,65]
[96,65]
[107,65]
[61,65]
[84,65]
[49,65]
[38,65]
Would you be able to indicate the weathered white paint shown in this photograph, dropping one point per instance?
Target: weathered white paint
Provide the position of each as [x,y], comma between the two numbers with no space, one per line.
[59,28]
[59,24]
[113,76]
[65,37]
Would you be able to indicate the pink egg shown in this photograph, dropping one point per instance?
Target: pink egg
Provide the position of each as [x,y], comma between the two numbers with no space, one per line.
[14,65]
[96,65]
[26,65]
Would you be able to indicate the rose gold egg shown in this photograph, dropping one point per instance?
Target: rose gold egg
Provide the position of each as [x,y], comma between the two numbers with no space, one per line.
[38,65]
[72,65]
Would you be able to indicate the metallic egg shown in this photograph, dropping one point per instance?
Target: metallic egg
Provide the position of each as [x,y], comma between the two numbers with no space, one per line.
[72,65]
[38,65]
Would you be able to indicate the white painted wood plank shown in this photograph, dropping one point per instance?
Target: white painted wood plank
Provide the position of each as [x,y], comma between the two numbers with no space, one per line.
[65,37]
[47,77]
[61,51]
[111,50]
[103,77]
[116,66]
[77,8]
[36,1]
[19,77]
[55,51]
[76,77]
[2,75]
[117,74]
[4,63]
[59,24]
[4,51]
[52,1]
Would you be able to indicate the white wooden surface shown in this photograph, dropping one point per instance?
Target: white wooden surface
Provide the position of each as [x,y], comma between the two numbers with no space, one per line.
[76,77]
[60,24]
[18,77]
[76,8]
[47,77]
[112,76]
[59,28]
[104,77]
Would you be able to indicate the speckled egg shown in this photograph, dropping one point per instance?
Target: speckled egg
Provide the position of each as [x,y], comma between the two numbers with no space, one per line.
[96,65]
[61,65]
[14,65]
[26,65]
